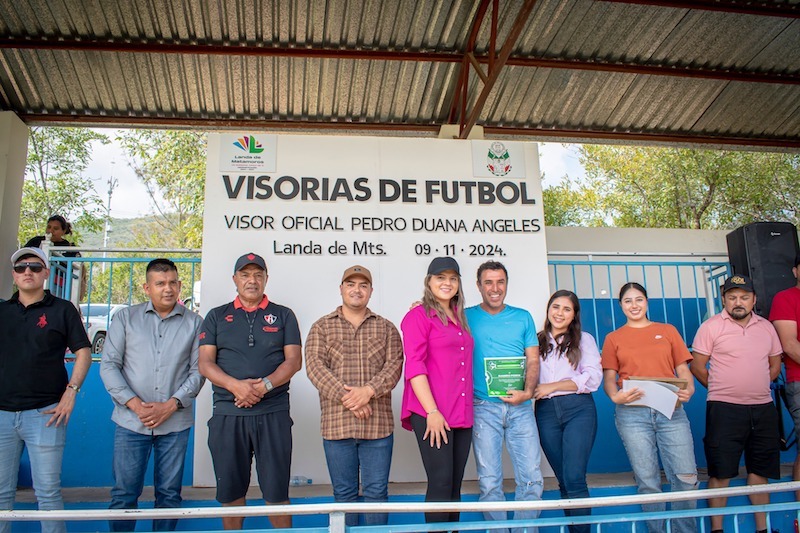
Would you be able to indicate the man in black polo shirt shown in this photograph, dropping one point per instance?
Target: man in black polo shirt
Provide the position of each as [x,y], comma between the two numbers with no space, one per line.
[36,395]
[249,350]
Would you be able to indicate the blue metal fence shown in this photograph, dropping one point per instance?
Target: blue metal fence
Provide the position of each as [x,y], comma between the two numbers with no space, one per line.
[682,293]
[100,285]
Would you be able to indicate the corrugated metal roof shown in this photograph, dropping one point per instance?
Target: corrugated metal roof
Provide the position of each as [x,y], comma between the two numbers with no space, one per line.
[580,69]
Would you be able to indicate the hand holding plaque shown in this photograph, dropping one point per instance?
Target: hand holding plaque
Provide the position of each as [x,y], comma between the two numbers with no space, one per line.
[504,374]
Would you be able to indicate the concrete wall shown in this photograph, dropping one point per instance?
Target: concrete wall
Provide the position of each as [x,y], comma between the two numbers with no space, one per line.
[643,242]
[13,155]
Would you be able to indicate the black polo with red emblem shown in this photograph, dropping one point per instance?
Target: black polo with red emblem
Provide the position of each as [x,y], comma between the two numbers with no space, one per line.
[33,341]
[250,345]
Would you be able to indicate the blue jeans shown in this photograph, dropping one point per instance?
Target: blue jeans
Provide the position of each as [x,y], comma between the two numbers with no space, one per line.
[646,434]
[45,448]
[372,458]
[496,423]
[567,428]
[131,454]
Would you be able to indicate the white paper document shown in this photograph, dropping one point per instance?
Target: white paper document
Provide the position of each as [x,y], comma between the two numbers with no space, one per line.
[657,395]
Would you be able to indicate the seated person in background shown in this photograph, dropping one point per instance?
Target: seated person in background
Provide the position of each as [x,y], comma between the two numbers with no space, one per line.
[57,227]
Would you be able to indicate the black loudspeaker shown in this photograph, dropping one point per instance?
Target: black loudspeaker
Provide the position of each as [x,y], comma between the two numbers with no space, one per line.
[764,251]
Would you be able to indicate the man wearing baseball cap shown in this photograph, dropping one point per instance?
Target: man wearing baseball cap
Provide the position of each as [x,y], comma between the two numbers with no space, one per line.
[354,358]
[736,356]
[36,394]
[249,350]
[785,316]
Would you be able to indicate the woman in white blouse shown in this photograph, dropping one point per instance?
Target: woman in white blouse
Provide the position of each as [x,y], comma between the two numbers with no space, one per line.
[569,371]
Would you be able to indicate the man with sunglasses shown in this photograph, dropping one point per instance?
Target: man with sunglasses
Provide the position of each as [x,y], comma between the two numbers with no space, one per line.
[36,394]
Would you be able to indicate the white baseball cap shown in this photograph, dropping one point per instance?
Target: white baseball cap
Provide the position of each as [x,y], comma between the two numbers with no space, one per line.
[22,252]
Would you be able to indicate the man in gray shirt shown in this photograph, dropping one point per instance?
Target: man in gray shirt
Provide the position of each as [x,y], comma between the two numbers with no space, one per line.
[149,367]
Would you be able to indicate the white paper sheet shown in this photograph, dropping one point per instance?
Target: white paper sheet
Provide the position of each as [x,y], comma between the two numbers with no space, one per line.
[657,395]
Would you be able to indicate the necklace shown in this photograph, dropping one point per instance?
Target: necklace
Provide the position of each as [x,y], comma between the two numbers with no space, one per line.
[250,321]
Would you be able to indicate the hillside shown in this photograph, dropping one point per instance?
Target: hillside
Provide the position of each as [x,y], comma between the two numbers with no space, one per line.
[121,233]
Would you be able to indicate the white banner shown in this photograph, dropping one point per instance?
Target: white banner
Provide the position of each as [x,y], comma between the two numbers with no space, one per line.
[314,205]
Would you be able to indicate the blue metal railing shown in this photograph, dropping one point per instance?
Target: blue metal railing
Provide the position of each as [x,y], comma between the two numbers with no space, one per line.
[682,293]
[95,285]
[61,266]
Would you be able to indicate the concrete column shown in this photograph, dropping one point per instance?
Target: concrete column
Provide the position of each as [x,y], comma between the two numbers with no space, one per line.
[13,156]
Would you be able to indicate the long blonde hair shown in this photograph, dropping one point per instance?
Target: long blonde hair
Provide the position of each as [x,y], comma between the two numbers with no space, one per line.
[457,304]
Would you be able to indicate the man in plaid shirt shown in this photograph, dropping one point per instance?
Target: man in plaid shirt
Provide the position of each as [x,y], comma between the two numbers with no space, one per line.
[354,358]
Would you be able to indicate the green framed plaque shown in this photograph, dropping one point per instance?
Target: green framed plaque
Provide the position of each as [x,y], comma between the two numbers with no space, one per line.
[504,374]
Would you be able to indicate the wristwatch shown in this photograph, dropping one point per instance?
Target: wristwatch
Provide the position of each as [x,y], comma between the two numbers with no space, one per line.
[268,384]
[178,403]
[74,387]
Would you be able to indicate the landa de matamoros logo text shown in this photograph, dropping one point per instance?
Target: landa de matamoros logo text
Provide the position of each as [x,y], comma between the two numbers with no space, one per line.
[249,144]
[498,160]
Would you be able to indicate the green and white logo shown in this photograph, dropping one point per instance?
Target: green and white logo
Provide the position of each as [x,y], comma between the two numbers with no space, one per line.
[498,160]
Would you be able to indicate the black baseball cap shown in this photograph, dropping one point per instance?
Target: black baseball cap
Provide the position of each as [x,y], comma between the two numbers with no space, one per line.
[250,259]
[440,264]
[738,282]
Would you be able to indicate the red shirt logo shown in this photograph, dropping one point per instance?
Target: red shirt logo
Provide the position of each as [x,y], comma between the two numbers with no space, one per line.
[270,319]
[42,321]
[202,335]
[228,318]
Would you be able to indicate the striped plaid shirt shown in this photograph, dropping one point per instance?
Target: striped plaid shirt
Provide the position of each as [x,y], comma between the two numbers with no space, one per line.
[338,354]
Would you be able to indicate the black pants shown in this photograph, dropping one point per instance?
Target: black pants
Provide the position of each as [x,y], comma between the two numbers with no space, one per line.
[444,466]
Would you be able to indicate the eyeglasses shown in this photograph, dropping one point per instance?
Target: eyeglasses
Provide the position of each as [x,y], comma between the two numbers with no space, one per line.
[19,268]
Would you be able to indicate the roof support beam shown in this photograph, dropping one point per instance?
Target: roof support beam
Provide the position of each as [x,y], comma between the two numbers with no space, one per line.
[760,8]
[458,104]
[494,73]
[536,132]
[595,65]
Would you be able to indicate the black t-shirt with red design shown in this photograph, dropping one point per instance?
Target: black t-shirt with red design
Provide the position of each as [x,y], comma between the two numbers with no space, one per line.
[228,327]
[33,341]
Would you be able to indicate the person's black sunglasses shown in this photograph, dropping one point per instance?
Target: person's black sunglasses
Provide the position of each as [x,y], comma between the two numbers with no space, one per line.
[19,268]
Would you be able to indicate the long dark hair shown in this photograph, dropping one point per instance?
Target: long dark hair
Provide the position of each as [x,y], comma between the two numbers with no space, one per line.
[66,226]
[568,343]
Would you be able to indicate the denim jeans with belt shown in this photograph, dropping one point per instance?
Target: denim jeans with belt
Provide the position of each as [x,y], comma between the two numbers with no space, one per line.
[371,458]
[567,428]
[515,425]
[131,455]
[45,448]
[648,434]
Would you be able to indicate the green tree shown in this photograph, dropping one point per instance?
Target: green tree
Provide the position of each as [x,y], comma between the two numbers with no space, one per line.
[570,204]
[172,165]
[680,188]
[54,180]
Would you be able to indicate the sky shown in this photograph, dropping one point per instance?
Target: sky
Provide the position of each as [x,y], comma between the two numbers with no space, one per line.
[130,199]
